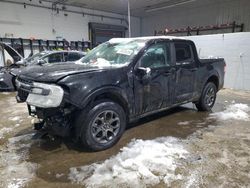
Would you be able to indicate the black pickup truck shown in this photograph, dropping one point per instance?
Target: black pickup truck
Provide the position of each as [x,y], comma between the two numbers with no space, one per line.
[119,81]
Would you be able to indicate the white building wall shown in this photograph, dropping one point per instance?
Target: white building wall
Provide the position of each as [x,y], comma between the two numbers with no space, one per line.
[39,22]
[235,48]
[198,13]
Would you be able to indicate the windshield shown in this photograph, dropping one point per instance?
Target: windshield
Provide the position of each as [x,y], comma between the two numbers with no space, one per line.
[36,56]
[113,54]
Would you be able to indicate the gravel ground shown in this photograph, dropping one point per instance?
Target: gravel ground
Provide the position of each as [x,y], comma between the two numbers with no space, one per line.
[177,148]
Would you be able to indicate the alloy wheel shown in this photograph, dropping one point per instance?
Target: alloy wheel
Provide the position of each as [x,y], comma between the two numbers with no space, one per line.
[210,96]
[105,126]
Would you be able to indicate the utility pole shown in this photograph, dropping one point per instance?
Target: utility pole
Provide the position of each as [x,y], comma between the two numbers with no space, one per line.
[129,21]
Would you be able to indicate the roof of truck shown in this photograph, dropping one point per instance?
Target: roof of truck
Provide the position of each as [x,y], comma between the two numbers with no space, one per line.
[115,40]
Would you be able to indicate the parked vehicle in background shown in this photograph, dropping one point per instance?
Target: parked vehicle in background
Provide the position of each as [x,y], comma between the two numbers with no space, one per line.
[9,72]
[8,58]
[118,82]
[5,49]
[52,57]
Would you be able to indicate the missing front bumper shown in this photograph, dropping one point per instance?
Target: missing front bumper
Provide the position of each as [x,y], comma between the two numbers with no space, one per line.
[56,121]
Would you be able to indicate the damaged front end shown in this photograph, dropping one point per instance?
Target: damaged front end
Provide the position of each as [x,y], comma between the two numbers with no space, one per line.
[46,102]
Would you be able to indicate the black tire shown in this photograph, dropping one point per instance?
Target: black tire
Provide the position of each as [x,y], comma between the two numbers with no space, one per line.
[96,119]
[208,97]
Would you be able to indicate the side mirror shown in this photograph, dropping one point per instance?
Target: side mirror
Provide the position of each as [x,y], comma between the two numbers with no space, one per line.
[41,61]
[143,72]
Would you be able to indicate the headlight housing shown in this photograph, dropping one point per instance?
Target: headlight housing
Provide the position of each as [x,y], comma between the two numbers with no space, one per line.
[45,95]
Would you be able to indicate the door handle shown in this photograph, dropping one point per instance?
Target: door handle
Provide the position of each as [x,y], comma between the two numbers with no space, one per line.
[169,72]
[194,69]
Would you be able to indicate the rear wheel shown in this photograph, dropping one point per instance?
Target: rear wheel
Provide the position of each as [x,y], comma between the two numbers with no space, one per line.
[102,126]
[207,98]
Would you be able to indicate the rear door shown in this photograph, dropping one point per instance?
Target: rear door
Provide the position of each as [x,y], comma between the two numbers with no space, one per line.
[186,69]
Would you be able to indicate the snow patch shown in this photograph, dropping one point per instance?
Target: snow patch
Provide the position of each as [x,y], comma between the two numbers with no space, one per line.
[141,163]
[15,171]
[17,125]
[184,123]
[237,111]
[16,118]
[194,179]
[6,93]
[59,175]
[4,131]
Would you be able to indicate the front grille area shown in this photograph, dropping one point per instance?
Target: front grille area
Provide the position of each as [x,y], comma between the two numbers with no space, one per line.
[24,81]
[22,91]
[22,95]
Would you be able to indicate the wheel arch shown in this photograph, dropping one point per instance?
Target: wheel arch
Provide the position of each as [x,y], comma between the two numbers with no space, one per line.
[108,93]
[214,79]
[114,94]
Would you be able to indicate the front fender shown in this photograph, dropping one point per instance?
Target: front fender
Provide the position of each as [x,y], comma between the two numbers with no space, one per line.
[109,90]
[82,88]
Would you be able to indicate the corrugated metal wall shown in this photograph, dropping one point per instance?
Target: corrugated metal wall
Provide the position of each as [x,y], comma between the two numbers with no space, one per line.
[199,13]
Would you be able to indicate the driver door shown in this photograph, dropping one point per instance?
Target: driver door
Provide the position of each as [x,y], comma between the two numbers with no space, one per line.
[152,78]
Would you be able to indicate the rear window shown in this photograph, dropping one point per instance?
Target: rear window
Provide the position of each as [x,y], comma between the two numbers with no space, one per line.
[183,52]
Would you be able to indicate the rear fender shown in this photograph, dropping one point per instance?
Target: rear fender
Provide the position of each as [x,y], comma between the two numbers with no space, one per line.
[213,77]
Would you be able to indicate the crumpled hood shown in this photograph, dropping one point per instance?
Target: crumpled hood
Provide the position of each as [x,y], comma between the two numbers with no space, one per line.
[55,72]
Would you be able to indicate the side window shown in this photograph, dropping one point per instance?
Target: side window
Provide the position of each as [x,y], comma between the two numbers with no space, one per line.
[55,58]
[73,56]
[157,55]
[183,52]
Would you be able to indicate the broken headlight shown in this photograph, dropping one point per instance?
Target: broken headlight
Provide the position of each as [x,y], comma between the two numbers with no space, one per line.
[39,91]
[45,95]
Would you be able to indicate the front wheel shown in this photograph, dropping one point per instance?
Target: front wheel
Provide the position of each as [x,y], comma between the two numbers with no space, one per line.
[102,126]
[207,98]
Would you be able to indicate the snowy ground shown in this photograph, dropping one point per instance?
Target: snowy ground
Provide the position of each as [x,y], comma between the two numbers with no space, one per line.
[141,163]
[15,170]
[144,163]
[183,148]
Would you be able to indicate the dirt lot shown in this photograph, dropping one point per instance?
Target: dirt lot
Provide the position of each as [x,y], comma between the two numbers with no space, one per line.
[177,148]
